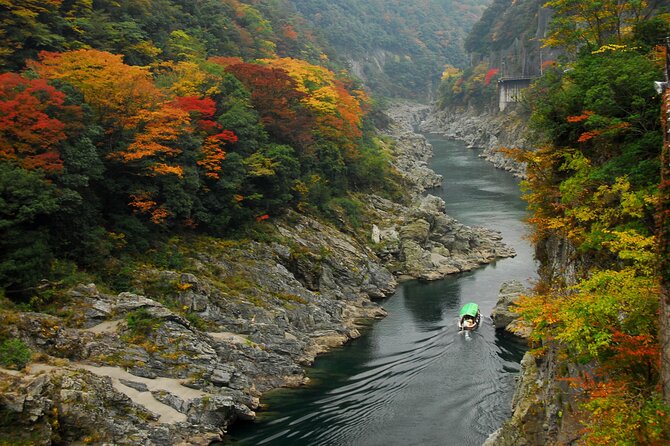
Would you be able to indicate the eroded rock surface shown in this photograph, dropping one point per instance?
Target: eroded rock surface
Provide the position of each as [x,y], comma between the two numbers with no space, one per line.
[423,242]
[411,153]
[504,316]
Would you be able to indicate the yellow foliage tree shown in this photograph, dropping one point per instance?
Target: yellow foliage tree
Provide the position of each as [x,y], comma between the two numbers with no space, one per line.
[339,113]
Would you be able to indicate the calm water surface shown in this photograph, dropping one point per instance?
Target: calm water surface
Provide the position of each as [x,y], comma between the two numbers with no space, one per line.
[412,379]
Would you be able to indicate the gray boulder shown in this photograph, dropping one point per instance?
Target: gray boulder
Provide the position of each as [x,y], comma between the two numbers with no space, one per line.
[503,315]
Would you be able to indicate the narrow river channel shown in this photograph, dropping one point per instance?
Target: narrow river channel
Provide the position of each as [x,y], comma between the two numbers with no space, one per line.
[412,379]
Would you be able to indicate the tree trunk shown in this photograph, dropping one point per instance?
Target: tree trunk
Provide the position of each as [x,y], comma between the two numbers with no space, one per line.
[664,248]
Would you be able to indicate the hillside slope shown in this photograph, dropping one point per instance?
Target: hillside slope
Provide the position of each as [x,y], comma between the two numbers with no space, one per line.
[398,48]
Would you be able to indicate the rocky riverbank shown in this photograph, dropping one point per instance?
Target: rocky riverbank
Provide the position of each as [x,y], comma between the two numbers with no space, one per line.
[411,152]
[421,241]
[186,352]
[484,130]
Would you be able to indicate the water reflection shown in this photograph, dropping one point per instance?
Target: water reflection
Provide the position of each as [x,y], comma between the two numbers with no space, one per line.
[428,301]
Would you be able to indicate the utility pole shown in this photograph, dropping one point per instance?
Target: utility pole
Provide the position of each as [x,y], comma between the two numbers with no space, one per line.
[663,230]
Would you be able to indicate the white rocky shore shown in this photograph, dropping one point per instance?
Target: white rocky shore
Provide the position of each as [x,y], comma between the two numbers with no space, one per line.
[483,130]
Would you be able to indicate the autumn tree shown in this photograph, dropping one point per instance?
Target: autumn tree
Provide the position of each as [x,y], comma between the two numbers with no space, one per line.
[592,23]
[117,92]
[30,131]
[338,112]
[185,78]
[279,102]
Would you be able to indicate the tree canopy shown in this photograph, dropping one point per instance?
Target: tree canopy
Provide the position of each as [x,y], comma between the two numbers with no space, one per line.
[143,119]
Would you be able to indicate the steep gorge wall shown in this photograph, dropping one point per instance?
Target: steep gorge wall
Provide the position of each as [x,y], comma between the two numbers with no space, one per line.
[545,406]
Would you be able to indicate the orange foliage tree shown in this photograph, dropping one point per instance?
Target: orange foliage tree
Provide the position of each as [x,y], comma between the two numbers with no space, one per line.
[150,130]
[338,112]
[278,100]
[116,91]
[161,129]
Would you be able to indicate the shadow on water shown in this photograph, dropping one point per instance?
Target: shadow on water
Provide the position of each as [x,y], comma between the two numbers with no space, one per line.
[427,302]
[412,378]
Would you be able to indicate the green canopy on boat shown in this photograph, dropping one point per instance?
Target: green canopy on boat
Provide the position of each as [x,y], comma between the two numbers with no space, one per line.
[470,309]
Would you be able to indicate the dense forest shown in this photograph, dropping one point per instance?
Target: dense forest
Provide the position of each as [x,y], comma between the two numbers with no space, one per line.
[131,120]
[593,186]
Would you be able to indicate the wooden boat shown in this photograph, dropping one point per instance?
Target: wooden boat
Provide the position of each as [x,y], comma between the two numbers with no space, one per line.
[469,317]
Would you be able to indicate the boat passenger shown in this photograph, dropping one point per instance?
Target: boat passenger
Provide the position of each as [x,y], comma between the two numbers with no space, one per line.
[468,322]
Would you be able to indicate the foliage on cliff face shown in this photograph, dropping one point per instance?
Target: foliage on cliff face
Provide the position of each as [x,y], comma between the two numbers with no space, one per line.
[594,183]
[475,86]
[592,24]
[132,121]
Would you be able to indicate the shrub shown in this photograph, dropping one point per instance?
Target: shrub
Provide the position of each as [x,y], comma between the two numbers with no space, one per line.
[14,354]
[141,323]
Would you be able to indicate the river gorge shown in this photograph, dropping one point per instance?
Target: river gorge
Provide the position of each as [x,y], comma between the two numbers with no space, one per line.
[248,222]
[243,317]
[412,378]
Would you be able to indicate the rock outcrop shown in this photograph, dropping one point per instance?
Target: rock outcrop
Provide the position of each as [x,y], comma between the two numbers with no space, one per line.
[503,315]
[423,242]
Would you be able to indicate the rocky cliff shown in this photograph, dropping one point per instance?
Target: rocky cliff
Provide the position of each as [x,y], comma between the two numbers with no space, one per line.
[545,406]
[184,353]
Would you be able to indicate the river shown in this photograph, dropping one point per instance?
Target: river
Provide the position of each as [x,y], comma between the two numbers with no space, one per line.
[412,378]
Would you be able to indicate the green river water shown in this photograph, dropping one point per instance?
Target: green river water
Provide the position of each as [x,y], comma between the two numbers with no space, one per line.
[412,378]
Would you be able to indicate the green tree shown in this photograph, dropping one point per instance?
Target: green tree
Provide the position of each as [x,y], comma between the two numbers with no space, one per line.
[27,26]
[605,105]
[27,201]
